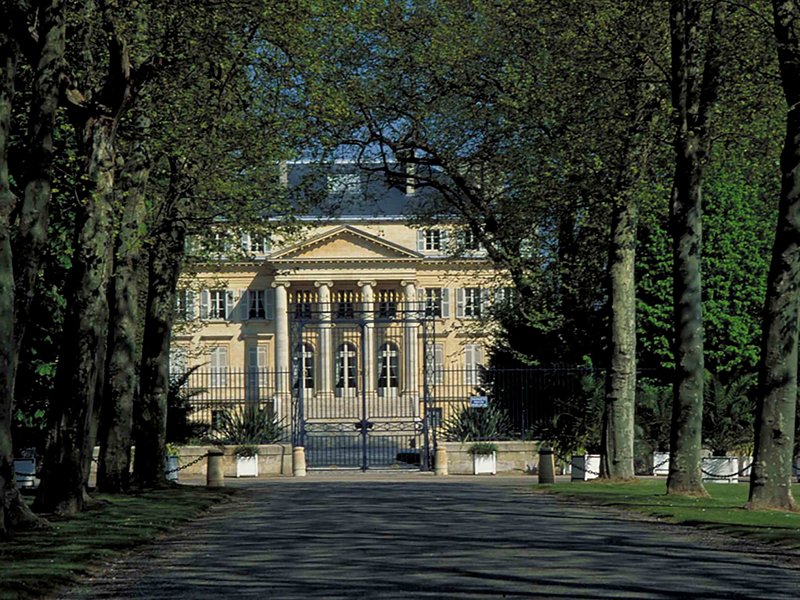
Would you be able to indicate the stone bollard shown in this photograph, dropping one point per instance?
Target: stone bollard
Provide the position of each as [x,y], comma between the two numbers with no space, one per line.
[299,461]
[214,476]
[547,467]
[440,461]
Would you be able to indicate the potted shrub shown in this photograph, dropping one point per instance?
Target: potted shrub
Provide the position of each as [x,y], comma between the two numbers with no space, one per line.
[171,462]
[246,460]
[247,429]
[484,458]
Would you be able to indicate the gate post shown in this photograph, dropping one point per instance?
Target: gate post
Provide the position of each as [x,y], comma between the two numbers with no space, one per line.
[299,461]
[547,470]
[440,461]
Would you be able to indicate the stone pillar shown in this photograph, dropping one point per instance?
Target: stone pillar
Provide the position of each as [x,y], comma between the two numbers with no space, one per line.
[368,308]
[282,350]
[214,475]
[299,461]
[410,345]
[325,350]
[440,461]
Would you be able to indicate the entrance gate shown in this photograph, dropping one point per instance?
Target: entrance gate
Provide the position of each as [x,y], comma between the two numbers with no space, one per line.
[362,385]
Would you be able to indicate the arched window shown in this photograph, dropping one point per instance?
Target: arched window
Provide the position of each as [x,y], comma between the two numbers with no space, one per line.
[346,368]
[303,366]
[388,360]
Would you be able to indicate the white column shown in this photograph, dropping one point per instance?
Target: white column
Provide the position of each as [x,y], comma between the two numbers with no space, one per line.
[368,308]
[410,344]
[282,352]
[325,350]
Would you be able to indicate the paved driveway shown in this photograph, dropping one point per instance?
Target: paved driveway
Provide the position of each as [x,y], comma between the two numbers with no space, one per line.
[425,537]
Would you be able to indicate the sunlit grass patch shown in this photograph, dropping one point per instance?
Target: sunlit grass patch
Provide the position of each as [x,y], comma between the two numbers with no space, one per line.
[724,511]
[36,562]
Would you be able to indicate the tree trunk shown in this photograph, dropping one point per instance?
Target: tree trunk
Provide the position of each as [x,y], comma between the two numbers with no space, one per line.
[14,512]
[151,410]
[63,474]
[31,234]
[770,484]
[121,362]
[695,75]
[618,416]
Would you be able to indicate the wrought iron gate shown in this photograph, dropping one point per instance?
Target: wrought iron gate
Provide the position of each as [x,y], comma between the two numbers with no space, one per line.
[361,384]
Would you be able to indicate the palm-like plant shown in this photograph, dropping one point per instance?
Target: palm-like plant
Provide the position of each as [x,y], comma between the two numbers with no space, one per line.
[728,410]
[477,424]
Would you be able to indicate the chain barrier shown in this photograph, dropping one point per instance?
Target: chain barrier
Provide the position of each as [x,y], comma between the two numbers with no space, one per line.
[569,462]
[187,465]
[166,472]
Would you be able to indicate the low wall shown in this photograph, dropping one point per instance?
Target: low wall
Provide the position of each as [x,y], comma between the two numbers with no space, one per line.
[512,457]
[273,460]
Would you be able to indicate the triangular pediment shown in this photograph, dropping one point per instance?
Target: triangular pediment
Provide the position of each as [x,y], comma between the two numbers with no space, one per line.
[345,243]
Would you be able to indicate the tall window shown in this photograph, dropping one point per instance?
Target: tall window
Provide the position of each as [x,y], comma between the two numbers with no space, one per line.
[346,369]
[303,366]
[256,305]
[437,302]
[184,301]
[255,243]
[257,368]
[217,307]
[219,367]
[386,306]
[470,240]
[345,304]
[388,356]
[471,303]
[473,361]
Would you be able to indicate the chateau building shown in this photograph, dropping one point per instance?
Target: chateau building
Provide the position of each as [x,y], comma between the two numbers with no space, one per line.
[365,312]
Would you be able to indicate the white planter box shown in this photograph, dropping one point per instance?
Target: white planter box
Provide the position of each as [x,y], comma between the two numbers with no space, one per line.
[247,466]
[660,463]
[720,469]
[484,464]
[171,463]
[25,472]
[745,465]
[585,467]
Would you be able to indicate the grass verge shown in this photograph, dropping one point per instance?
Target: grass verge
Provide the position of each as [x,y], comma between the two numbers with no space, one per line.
[38,562]
[724,512]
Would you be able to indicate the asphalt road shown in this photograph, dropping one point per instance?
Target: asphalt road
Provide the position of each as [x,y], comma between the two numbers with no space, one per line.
[408,536]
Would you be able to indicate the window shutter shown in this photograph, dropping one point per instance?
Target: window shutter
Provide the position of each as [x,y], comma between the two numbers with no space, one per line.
[478,355]
[444,236]
[460,302]
[246,242]
[261,357]
[485,301]
[269,303]
[445,303]
[469,357]
[190,302]
[230,305]
[421,303]
[204,302]
[244,304]
[420,240]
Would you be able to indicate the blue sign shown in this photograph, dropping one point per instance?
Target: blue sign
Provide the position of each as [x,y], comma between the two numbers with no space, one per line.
[478,402]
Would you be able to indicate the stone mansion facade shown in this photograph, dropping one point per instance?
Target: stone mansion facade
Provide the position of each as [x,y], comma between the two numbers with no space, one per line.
[361,306]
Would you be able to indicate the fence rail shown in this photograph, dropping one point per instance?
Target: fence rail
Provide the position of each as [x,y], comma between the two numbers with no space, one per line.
[528,396]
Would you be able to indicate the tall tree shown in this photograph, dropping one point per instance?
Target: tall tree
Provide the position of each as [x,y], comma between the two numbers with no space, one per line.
[38,29]
[695,48]
[770,484]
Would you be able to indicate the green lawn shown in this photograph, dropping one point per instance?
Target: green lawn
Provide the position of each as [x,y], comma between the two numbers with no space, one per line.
[38,562]
[722,512]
